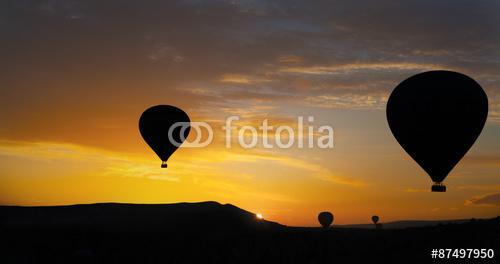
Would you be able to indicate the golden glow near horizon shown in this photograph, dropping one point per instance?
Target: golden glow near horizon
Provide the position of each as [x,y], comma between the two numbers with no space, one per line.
[70,108]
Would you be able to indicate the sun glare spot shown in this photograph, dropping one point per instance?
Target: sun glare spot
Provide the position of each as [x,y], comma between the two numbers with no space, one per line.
[259,216]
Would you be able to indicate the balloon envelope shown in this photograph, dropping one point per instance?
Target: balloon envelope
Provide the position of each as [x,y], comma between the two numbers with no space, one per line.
[155,125]
[325,219]
[437,116]
[375,219]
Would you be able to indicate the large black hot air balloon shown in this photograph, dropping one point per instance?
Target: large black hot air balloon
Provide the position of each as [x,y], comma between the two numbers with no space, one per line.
[155,125]
[437,116]
[325,219]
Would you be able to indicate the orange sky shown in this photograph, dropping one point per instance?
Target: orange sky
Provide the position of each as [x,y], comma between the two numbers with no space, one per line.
[77,75]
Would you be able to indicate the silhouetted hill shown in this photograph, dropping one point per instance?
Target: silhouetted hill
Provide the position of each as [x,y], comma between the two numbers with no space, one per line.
[125,216]
[210,232]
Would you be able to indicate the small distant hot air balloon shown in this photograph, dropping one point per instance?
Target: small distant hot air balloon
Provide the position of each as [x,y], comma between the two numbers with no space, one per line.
[375,219]
[164,128]
[436,117]
[325,219]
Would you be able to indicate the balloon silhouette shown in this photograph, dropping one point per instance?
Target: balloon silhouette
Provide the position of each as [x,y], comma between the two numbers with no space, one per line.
[436,117]
[325,219]
[164,128]
[375,219]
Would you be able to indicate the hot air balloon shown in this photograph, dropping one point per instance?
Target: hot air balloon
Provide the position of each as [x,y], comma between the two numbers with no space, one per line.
[436,117]
[325,219]
[164,128]
[375,219]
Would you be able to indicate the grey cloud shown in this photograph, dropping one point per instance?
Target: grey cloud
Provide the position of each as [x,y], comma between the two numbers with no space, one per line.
[487,199]
[59,49]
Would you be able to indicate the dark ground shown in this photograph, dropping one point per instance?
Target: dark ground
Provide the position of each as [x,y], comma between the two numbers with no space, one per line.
[213,233]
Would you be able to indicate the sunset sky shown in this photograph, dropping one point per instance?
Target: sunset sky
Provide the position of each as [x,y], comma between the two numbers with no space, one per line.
[76,75]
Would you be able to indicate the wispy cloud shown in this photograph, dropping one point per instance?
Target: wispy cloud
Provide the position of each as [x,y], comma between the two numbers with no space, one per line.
[165,52]
[58,151]
[241,79]
[352,67]
[207,170]
[490,199]
[211,169]
[348,101]
[112,163]
[290,59]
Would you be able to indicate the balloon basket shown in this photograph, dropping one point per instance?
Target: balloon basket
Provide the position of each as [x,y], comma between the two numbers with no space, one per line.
[164,164]
[438,187]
